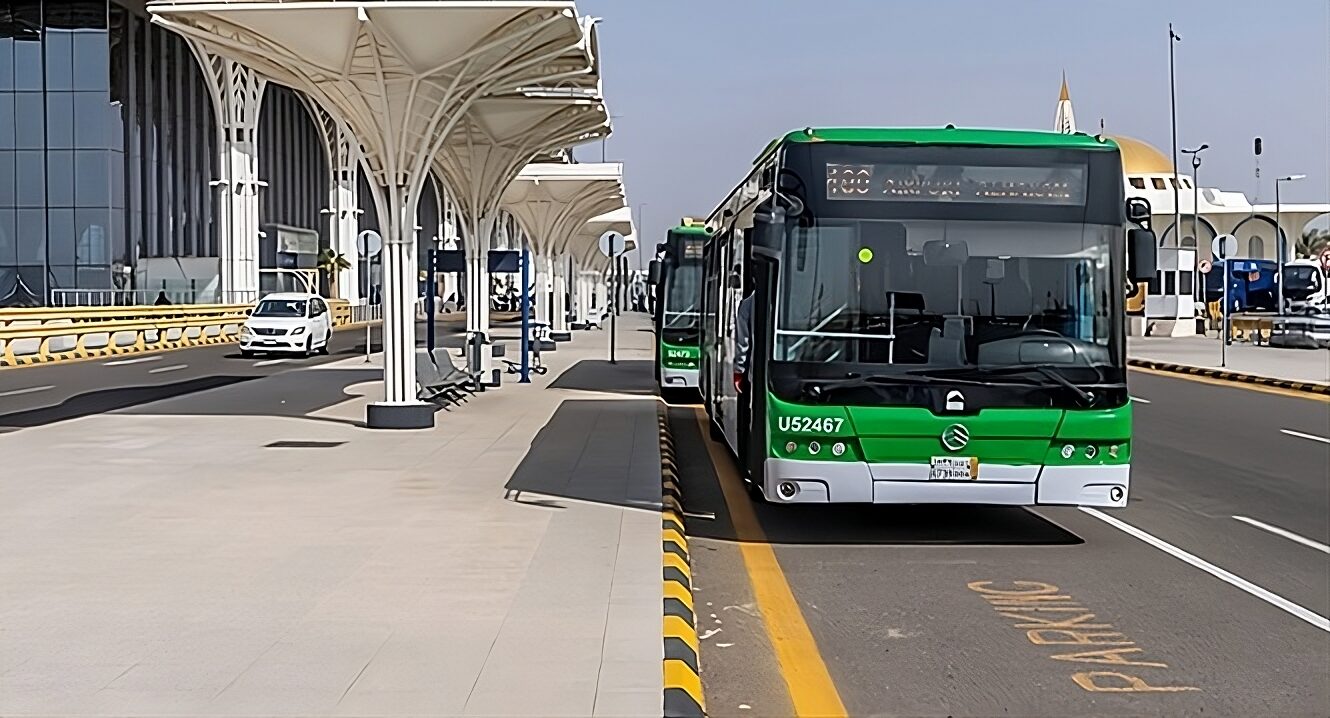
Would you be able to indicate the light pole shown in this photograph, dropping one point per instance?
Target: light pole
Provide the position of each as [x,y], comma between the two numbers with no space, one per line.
[1195,209]
[1279,238]
[641,231]
[1174,38]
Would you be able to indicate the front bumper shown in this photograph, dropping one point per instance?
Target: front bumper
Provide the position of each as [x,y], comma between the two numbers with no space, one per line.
[678,378]
[858,482]
[286,343]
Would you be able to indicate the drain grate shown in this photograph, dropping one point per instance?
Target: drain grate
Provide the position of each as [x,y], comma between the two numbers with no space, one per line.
[303,444]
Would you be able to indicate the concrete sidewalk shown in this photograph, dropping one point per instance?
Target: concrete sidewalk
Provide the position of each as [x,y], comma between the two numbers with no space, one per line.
[1303,365]
[252,550]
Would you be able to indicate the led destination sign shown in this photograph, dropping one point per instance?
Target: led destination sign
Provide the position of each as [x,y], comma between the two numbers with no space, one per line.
[1052,185]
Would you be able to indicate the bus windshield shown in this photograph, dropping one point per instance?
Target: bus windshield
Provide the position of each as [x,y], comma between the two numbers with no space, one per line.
[905,295]
[683,292]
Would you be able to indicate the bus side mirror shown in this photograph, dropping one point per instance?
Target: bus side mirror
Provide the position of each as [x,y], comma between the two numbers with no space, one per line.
[653,272]
[770,232]
[1138,211]
[1142,261]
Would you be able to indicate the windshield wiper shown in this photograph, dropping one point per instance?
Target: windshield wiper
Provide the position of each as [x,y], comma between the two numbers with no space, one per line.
[1048,370]
[817,388]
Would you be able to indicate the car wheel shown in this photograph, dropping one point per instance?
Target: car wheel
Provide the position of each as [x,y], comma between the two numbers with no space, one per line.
[309,346]
[246,354]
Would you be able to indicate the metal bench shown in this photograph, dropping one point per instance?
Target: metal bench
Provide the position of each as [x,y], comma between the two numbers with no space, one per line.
[457,375]
[433,384]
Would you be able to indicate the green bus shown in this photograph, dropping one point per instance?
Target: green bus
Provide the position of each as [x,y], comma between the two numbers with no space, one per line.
[936,316]
[676,274]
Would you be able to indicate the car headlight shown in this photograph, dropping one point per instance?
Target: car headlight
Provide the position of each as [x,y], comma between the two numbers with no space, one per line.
[246,331]
[297,330]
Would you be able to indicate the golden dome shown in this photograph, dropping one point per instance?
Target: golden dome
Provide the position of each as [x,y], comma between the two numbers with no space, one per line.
[1141,158]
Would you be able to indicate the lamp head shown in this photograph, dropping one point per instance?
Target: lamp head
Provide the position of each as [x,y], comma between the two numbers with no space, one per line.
[1292,178]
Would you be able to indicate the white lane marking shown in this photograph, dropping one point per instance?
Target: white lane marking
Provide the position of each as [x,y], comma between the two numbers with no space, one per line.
[1273,599]
[125,362]
[163,369]
[270,362]
[1285,533]
[1301,435]
[29,390]
[1139,400]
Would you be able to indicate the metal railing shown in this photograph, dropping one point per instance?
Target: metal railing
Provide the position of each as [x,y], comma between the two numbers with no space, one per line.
[38,336]
[146,297]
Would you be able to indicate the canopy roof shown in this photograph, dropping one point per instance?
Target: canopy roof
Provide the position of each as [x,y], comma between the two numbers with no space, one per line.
[400,73]
[587,240]
[553,202]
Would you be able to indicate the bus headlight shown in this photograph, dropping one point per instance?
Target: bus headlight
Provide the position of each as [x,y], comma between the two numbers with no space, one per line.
[1091,451]
[838,448]
[791,447]
[814,448]
[1068,451]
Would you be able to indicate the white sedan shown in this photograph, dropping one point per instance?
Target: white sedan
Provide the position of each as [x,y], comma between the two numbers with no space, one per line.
[289,322]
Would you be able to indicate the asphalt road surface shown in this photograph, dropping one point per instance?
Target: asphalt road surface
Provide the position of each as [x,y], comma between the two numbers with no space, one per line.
[1206,595]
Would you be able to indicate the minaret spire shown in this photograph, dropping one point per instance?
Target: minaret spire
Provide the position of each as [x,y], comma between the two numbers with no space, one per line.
[1065,120]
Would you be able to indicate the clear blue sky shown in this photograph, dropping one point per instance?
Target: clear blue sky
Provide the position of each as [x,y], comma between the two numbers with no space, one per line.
[702,85]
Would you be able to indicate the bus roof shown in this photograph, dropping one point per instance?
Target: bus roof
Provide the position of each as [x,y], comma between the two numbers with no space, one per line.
[949,135]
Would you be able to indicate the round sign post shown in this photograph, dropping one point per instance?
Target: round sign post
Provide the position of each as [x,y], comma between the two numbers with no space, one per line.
[1205,266]
[612,244]
[368,245]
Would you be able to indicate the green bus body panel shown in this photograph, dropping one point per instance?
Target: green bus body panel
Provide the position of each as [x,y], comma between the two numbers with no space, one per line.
[902,434]
[691,230]
[943,136]
[674,356]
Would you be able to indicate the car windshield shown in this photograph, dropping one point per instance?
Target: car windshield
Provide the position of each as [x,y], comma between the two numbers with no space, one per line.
[281,308]
[936,294]
[1301,279]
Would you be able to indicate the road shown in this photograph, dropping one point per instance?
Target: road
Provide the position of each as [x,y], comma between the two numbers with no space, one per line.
[1207,594]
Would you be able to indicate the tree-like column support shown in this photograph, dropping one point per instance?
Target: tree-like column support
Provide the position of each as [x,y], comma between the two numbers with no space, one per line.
[560,303]
[479,354]
[400,409]
[343,155]
[236,92]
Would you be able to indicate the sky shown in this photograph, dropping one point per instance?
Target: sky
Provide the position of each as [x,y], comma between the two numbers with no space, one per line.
[700,86]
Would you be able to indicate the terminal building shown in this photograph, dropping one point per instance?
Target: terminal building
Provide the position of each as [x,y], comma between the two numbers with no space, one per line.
[1205,213]
[110,184]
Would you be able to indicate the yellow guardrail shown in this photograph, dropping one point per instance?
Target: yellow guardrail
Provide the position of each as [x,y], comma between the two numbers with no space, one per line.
[35,336]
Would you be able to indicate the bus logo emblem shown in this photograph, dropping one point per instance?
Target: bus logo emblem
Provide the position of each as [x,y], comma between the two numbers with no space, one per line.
[955,437]
[955,401]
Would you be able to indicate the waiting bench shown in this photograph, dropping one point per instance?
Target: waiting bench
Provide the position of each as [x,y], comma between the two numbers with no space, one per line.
[438,377]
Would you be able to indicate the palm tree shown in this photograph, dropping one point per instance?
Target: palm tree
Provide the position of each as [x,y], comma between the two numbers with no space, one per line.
[1312,242]
[330,263]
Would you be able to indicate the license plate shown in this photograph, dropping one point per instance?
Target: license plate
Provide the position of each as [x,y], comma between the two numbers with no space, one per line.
[953,468]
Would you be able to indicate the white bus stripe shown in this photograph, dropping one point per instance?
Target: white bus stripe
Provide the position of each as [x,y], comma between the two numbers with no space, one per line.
[1273,599]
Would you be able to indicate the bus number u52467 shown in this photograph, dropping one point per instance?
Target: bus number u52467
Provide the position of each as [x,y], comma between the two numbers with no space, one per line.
[810,424]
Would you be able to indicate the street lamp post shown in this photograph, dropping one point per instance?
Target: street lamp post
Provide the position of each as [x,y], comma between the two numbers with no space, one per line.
[1195,210]
[1174,38]
[1279,239]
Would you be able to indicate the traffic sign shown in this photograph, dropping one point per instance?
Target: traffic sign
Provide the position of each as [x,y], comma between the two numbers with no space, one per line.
[1224,246]
[1325,259]
[369,243]
[1205,266]
[612,244]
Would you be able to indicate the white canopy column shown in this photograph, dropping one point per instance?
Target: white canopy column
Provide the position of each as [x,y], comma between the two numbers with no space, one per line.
[400,74]
[236,92]
[343,210]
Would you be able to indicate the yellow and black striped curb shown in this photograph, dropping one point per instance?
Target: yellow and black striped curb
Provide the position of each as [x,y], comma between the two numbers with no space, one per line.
[1309,387]
[680,668]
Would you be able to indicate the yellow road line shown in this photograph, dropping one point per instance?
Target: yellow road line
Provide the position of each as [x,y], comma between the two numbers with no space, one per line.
[811,689]
[1232,384]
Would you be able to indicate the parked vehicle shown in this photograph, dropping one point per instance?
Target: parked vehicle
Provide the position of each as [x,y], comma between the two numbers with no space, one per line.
[287,322]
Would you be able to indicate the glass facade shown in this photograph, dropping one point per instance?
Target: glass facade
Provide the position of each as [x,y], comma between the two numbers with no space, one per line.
[108,146]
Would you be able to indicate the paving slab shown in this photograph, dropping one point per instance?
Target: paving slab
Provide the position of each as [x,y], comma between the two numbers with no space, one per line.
[168,558]
[1274,362]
